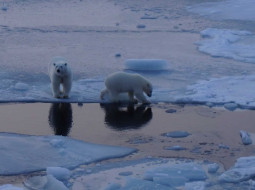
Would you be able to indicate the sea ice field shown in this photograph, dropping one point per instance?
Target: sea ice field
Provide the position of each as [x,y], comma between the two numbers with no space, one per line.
[193,51]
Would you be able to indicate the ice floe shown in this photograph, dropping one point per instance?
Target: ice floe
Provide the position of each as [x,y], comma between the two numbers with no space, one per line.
[243,170]
[176,134]
[235,89]
[23,153]
[234,44]
[228,9]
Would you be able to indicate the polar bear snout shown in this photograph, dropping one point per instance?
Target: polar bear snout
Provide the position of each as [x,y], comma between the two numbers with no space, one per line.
[149,93]
[148,89]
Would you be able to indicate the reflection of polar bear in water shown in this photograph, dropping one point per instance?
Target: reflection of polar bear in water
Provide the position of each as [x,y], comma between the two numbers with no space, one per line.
[133,84]
[60,73]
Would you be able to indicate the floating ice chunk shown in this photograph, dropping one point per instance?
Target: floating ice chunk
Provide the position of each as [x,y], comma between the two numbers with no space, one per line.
[118,55]
[230,106]
[213,168]
[179,172]
[223,146]
[36,182]
[44,183]
[59,173]
[113,186]
[143,184]
[4,8]
[20,153]
[141,26]
[21,86]
[246,138]
[174,181]
[146,64]
[176,148]
[198,185]
[171,111]
[125,173]
[244,169]
[176,134]
[53,184]
[10,187]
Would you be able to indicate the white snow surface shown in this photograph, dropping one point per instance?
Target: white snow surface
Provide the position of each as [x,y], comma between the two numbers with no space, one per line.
[228,9]
[238,89]
[234,44]
[23,153]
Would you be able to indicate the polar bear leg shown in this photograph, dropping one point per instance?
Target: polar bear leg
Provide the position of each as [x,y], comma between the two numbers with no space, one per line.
[103,93]
[131,97]
[114,96]
[56,90]
[67,85]
[139,95]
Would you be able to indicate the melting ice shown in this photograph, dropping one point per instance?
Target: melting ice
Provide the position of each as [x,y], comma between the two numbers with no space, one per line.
[34,153]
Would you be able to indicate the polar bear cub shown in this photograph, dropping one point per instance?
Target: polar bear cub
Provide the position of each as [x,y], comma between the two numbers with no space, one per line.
[60,74]
[133,84]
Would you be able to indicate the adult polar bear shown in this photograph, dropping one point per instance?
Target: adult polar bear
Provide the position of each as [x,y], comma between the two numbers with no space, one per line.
[133,84]
[60,74]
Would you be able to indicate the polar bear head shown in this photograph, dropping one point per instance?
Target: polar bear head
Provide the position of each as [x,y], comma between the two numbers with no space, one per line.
[147,88]
[60,69]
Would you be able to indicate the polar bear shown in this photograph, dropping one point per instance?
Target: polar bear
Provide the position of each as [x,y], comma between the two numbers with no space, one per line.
[133,84]
[60,74]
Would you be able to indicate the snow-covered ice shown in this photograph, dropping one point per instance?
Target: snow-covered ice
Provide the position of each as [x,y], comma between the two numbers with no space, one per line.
[235,89]
[23,153]
[243,170]
[228,9]
[235,44]
[175,148]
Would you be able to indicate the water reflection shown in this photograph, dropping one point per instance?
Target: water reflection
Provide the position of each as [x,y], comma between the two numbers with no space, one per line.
[61,118]
[131,117]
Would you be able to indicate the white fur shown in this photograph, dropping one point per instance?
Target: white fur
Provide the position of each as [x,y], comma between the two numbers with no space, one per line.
[133,84]
[60,74]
